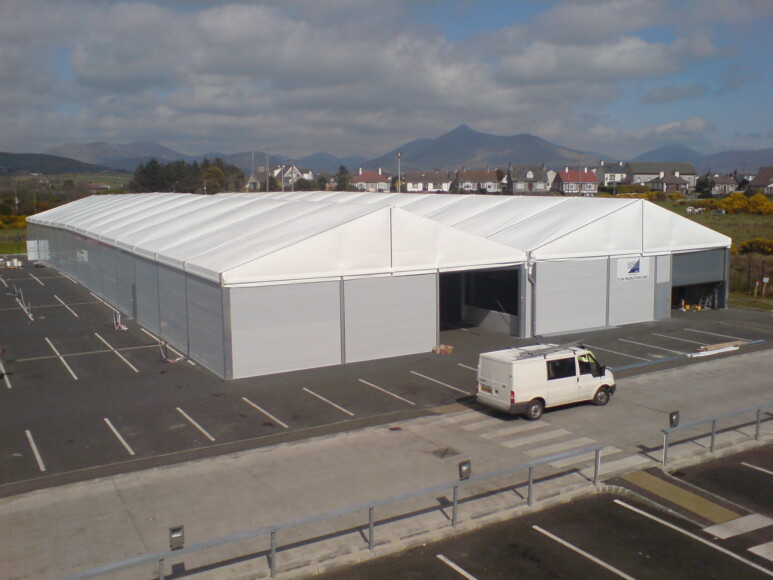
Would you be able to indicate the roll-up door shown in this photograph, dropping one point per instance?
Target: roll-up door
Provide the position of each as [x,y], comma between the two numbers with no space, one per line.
[146,275]
[390,316]
[698,267]
[125,282]
[285,327]
[173,306]
[206,343]
[570,296]
[631,289]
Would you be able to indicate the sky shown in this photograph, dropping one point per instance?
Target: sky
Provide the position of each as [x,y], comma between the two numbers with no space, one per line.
[363,77]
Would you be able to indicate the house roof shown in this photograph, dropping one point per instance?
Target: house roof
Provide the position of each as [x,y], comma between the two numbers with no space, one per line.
[764,177]
[577,176]
[421,176]
[669,180]
[369,177]
[519,173]
[657,167]
[252,239]
[483,175]
[724,180]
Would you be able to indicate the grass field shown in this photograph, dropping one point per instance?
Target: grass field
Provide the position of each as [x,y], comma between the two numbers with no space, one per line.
[12,241]
[740,227]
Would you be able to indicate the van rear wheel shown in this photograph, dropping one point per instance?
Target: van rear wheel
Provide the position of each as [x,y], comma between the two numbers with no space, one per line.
[534,410]
[601,397]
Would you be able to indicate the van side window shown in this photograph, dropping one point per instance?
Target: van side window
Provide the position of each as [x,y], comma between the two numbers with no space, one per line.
[561,368]
[589,366]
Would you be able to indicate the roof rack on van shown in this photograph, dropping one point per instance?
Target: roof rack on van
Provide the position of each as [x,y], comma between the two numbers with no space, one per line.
[545,349]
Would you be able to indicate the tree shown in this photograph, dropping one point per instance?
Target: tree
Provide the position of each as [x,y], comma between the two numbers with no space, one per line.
[703,186]
[214,177]
[342,178]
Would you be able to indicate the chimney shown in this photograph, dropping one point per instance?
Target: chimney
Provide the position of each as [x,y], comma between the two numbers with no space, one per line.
[379,171]
[360,170]
[566,169]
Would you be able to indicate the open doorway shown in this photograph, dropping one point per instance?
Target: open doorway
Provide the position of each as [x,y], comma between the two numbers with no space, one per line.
[486,298]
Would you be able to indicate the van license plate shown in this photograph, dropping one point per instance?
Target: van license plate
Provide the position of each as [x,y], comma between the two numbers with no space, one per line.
[485,389]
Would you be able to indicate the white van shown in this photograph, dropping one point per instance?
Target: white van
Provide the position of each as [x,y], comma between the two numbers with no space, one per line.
[527,380]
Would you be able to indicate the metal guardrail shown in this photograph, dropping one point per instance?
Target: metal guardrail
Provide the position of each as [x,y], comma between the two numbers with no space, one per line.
[160,557]
[713,420]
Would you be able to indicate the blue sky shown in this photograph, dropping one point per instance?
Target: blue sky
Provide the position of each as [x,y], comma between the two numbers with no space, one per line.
[619,77]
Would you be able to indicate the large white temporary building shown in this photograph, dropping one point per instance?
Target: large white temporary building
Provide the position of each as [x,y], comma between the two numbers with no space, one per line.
[251,284]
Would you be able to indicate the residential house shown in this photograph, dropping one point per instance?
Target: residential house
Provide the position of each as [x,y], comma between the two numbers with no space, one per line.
[763,180]
[576,182]
[669,184]
[478,181]
[369,180]
[611,173]
[288,175]
[529,180]
[640,172]
[437,180]
[723,184]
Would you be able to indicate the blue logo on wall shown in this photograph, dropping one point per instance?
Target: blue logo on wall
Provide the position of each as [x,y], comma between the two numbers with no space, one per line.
[636,268]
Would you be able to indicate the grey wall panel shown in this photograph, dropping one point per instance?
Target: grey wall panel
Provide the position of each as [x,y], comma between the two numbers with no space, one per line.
[146,280]
[570,295]
[662,287]
[110,275]
[173,307]
[631,295]
[125,265]
[282,328]
[206,344]
[390,316]
[698,267]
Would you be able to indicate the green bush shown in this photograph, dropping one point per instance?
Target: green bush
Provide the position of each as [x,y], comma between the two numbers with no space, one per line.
[757,246]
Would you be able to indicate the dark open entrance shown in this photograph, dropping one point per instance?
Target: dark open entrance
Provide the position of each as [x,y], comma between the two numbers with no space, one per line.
[698,278]
[472,297]
[707,295]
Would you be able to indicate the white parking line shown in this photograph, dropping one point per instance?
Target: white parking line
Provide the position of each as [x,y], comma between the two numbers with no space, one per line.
[266,413]
[682,339]
[386,392]
[716,334]
[439,383]
[35,451]
[763,470]
[36,279]
[121,439]
[455,567]
[4,375]
[694,537]
[3,281]
[329,402]
[651,346]
[67,307]
[615,352]
[583,553]
[118,354]
[98,298]
[468,367]
[199,427]
[61,358]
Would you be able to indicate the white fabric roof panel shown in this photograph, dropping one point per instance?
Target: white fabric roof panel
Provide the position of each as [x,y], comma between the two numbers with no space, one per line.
[249,238]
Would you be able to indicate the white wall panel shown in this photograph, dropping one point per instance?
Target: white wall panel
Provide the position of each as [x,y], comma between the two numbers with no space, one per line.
[146,281]
[173,307]
[285,327]
[631,294]
[390,316]
[125,282]
[570,295]
[206,343]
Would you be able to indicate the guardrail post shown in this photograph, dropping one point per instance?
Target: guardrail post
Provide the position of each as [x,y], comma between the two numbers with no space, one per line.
[597,467]
[161,569]
[665,448]
[455,504]
[273,553]
[371,530]
[713,433]
[530,501]
[757,426]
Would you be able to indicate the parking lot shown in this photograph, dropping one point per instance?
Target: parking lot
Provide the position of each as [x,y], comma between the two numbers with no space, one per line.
[614,536]
[82,396]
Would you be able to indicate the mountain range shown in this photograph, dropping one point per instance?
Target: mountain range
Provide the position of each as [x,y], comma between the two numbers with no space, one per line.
[461,147]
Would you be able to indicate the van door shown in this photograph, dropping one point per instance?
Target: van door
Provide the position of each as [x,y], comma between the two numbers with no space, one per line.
[590,371]
[562,381]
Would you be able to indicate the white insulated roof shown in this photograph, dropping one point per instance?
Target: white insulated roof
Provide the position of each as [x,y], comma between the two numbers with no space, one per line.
[254,238]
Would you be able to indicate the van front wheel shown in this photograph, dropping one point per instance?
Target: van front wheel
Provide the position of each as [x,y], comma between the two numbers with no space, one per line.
[601,397]
[534,410]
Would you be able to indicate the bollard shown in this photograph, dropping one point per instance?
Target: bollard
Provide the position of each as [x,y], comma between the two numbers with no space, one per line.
[453,510]
[531,485]
[371,530]
[665,448]
[713,433]
[597,467]
[273,553]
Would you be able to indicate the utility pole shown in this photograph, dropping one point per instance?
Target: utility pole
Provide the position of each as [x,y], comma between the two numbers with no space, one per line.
[399,177]
[267,168]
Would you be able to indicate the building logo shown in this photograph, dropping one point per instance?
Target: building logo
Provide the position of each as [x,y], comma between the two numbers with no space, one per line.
[630,269]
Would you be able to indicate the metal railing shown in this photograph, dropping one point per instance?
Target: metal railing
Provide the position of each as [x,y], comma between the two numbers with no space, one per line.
[758,409]
[160,557]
